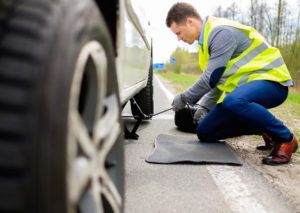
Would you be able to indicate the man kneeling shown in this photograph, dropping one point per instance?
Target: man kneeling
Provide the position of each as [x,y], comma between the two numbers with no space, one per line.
[243,73]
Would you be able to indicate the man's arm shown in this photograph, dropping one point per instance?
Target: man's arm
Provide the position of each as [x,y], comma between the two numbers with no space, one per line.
[221,45]
[211,98]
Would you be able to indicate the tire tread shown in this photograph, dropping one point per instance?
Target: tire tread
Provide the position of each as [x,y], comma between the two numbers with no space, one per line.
[22,33]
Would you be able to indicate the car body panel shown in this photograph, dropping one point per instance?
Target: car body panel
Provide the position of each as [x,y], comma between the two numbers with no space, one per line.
[133,48]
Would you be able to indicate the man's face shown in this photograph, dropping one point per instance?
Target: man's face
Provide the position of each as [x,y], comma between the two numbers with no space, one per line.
[184,32]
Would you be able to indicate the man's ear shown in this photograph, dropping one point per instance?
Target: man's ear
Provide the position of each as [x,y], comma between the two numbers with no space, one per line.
[189,21]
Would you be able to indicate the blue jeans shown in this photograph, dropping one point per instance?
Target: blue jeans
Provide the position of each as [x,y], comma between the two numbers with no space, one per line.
[244,112]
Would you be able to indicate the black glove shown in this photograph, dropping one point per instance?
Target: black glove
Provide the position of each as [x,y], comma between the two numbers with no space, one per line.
[200,113]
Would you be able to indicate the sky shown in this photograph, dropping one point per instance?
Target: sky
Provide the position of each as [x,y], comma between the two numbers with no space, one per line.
[164,41]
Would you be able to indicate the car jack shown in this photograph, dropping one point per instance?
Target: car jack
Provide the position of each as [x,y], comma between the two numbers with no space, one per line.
[132,134]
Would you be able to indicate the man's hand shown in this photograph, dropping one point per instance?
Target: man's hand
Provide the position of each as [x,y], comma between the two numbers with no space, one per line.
[200,114]
[179,102]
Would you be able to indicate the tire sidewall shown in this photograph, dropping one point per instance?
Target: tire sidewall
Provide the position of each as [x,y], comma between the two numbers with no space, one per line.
[73,24]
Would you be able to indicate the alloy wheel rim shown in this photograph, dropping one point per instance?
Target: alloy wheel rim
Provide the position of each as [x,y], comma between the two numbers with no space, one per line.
[93,130]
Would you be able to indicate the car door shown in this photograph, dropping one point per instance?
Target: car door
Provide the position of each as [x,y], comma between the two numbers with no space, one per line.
[134,55]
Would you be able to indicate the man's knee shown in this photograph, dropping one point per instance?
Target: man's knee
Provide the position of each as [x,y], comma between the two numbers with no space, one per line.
[204,134]
[232,103]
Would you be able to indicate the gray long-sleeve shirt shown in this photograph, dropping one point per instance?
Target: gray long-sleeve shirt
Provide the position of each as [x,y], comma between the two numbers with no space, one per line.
[224,43]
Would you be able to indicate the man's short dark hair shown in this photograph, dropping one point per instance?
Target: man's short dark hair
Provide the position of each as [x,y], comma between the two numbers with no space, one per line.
[179,12]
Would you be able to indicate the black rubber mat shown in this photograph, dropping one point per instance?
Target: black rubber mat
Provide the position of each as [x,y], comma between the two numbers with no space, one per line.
[179,149]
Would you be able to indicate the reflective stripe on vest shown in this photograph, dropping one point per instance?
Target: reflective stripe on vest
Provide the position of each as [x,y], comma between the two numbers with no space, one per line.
[259,62]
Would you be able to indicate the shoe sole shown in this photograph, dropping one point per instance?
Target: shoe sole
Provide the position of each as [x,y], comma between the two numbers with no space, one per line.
[264,148]
[273,163]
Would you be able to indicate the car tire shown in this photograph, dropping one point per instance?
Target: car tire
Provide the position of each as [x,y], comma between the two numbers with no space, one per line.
[61,138]
[144,98]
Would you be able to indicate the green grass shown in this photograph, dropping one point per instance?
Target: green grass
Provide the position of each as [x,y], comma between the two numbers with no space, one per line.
[293,103]
[181,82]
[257,137]
[297,134]
[294,97]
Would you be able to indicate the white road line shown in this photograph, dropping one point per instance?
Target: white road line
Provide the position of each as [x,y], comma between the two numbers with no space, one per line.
[235,192]
[169,95]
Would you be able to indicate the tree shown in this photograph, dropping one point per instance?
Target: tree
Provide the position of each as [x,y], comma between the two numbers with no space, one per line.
[185,62]
[218,12]
[253,13]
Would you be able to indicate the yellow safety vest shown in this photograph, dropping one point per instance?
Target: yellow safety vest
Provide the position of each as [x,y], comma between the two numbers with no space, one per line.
[260,61]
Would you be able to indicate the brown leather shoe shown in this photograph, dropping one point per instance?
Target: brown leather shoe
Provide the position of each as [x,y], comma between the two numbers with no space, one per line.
[282,152]
[268,143]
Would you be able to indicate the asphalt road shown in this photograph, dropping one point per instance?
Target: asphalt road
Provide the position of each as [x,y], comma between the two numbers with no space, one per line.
[190,188]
